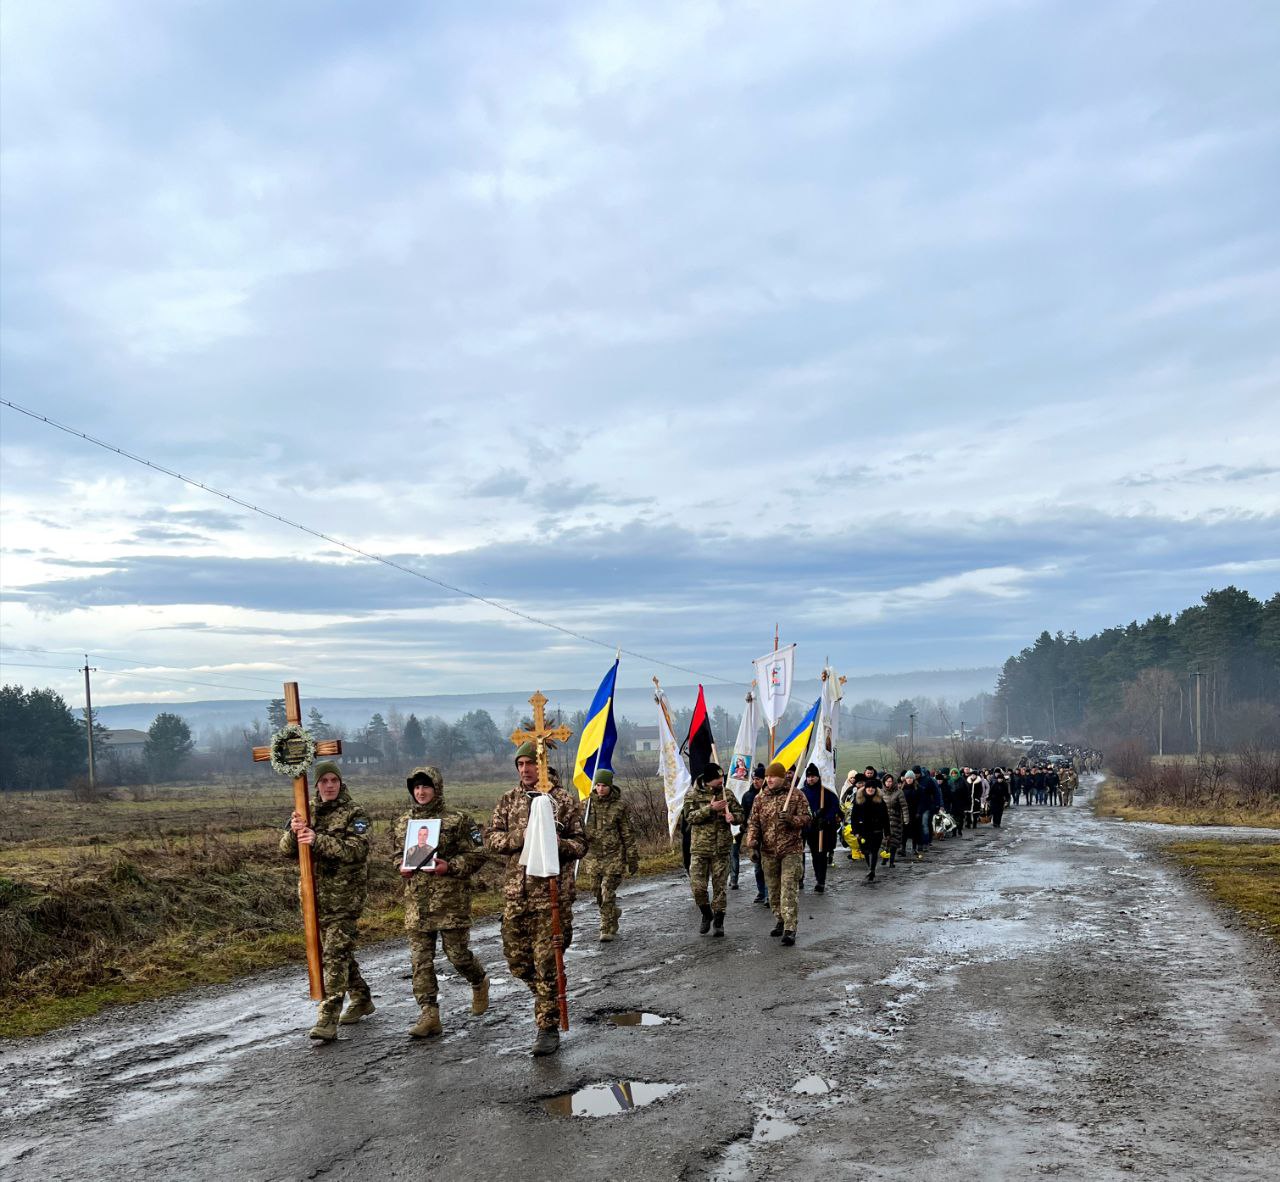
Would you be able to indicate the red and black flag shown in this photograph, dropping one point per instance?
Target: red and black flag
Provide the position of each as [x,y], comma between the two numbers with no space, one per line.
[699,747]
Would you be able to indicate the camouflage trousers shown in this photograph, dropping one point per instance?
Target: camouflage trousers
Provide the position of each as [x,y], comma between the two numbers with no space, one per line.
[341,973]
[531,957]
[782,877]
[713,867]
[422,955]
[603,885]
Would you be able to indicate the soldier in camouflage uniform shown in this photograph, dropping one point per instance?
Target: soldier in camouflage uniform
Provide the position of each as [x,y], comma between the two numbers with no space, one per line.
[611,850]
[709,811]
[338,837]
[775,835]
[527,941]
[438,901]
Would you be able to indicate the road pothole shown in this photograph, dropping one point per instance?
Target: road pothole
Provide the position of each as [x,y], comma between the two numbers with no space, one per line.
[609,1099]
[813,1085]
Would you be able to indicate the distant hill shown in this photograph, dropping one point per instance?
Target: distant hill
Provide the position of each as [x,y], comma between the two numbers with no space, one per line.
[635,703]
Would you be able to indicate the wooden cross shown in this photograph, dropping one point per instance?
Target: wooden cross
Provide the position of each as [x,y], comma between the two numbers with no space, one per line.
[540,735]
[307,891]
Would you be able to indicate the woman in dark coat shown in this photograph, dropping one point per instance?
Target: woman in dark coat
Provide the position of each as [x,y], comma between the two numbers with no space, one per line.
[895,802]
[870,821]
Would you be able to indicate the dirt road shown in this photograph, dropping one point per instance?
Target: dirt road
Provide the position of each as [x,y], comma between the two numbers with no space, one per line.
[1044,999]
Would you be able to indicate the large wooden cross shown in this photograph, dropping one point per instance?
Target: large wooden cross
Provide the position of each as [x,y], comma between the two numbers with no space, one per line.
[307,890]
[539,736]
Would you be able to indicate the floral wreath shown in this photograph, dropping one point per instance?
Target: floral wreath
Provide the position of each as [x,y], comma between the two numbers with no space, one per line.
[284,760]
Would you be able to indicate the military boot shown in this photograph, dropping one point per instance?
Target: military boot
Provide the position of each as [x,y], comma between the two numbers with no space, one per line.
[326,1027]
[777,929]
[705,926]
[428,1023]
[718,923]
[480,997]
[547,1042]
[357,1008]
[788,938]
[606,937]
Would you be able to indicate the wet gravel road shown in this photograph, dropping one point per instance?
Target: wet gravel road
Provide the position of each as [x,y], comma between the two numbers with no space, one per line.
[1049,998]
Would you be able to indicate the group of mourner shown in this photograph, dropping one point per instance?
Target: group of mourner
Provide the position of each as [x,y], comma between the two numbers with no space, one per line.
[785,829]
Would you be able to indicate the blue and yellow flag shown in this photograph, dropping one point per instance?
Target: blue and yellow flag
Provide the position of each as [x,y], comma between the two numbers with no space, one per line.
[795,746]
[599,736]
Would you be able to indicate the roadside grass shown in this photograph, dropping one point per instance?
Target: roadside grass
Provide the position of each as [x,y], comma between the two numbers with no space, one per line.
[1243,875]
[1111,800]
[123,901]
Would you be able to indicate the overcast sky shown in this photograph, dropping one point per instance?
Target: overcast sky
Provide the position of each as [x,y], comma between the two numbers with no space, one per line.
[916,328]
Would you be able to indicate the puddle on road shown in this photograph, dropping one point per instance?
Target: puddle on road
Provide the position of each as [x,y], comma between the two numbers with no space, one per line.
[638,1018]
[607,1099]
[813,1085]
[735,1162]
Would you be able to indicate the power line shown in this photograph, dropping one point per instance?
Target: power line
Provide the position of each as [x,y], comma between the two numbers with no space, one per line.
[315,533]
[122,673]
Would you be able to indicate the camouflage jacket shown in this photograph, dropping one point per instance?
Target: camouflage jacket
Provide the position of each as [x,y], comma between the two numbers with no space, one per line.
[776,831]
[506,837]
[709,832]
[434,902]
[611,844]
[339,855]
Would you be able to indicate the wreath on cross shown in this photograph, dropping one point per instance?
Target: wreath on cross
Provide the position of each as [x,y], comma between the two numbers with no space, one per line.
[293,751]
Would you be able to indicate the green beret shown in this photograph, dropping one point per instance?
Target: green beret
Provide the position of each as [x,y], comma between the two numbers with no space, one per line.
[605,777]
[527,750]
[327,767]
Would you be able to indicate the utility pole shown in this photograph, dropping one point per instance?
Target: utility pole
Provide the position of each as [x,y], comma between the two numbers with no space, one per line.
[1053,715]
[1160,735]
[911,742]
[1007,732]
[1198,675]
[88,725]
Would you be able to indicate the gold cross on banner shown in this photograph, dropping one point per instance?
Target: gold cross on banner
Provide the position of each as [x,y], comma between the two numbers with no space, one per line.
[540,735]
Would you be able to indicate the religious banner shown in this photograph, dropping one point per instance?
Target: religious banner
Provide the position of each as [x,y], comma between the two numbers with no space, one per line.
[744,748]
[773,683]
[822,749]
[671,766]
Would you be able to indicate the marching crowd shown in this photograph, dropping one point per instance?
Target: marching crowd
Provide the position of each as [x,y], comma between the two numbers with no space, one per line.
[784,826]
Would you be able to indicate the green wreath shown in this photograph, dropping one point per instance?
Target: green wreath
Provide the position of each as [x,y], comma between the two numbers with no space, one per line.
[293,751]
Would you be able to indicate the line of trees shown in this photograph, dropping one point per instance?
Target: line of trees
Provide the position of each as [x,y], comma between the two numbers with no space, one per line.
[1139,683]
[44,745]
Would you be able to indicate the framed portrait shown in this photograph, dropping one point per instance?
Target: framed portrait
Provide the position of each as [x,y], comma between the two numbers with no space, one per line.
[420,841]
[738,769]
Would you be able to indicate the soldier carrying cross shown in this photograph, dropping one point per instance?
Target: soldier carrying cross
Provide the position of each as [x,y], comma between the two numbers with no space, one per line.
[528,939]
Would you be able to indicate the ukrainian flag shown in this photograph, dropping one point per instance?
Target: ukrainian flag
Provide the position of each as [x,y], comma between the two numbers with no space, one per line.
[599,736]
[795,746]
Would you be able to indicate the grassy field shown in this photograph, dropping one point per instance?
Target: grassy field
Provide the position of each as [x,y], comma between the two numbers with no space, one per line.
[123,900]
[1243,875]
[1113,801]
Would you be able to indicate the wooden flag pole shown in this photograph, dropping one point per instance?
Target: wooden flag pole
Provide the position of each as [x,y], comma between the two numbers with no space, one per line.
[306,872]
[541,735]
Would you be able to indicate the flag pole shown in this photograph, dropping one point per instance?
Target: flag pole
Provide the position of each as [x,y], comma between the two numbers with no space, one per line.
[773,729]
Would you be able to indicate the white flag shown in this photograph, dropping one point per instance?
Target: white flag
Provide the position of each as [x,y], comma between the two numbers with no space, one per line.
[822,747]
[671,765]
[744,748]
[773,677]
[834,687]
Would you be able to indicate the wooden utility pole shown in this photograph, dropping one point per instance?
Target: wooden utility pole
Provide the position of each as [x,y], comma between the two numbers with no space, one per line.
[911,742]
[1198,675]
[88,726]
[1160,731]
[306,873]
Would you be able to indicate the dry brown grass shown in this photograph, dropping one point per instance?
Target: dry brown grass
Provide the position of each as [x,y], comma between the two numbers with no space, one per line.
[1243,875]
[1114,800]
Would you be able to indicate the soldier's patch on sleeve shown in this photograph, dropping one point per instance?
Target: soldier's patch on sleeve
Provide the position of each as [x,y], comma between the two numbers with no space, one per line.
[360,826]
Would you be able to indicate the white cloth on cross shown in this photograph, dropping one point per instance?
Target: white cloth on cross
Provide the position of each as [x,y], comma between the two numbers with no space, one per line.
[541,854]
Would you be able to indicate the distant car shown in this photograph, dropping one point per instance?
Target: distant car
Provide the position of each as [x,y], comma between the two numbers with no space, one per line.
[1027,740]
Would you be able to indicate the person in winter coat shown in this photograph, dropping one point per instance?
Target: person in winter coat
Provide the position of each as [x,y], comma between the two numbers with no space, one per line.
[775,835]
[820,837]
[709,811]
[437,902]
[956,795]
[895,803]
[338,837]
[998,796]
[611,850]
[930,805]
[911,794]
[870,820]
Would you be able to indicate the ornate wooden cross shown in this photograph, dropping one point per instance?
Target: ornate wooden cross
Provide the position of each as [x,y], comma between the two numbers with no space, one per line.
[292,752]
[541,736]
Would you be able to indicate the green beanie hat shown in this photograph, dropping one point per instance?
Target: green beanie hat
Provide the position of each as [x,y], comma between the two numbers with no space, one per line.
[527,750]
[776,769]
[604,777]
[327,767]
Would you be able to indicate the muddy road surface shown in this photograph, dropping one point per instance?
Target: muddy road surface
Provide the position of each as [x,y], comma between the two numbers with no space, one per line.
[1045,999]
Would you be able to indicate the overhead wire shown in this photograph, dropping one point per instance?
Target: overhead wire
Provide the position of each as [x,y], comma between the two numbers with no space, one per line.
[350,548]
